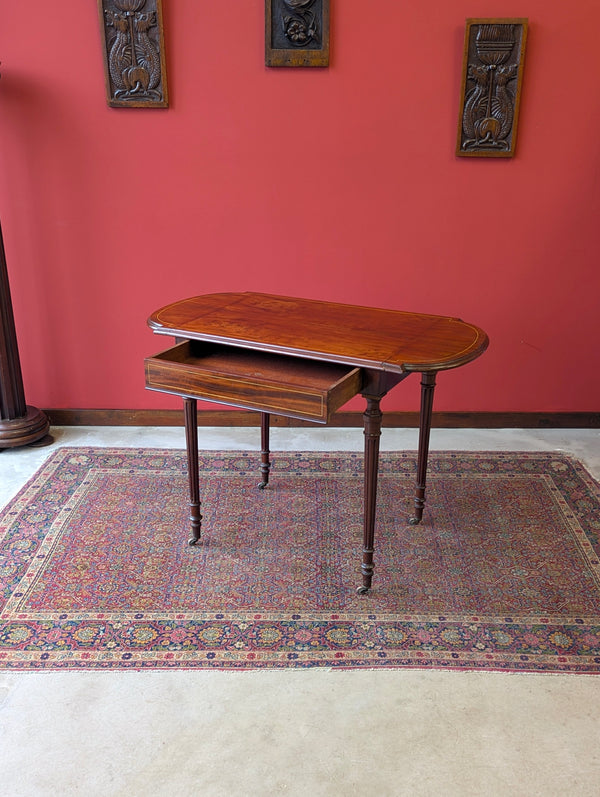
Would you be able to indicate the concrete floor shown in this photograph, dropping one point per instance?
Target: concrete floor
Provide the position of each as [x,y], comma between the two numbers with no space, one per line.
[310,732]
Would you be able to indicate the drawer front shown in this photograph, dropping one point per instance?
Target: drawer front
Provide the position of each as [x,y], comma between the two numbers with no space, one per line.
[289,386]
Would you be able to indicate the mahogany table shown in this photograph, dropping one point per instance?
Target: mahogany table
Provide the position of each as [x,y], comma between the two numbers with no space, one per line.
[304,359]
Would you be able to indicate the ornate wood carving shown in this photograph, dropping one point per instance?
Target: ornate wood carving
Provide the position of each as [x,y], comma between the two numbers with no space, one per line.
[134,53]
[491,87]
[297,32]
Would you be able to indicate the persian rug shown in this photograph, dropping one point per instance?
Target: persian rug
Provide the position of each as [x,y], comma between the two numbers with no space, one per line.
[502,574]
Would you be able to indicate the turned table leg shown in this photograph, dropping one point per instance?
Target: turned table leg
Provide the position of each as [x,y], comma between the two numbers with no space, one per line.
[265,464]
[427,390]
[372,431]
[191,439]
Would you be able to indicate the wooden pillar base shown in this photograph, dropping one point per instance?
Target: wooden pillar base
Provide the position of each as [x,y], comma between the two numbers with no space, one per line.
[33,426]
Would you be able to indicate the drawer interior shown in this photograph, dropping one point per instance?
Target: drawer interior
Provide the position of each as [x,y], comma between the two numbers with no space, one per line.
[285,385]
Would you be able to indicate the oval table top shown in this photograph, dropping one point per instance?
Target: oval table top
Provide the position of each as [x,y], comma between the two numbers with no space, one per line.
[384,340]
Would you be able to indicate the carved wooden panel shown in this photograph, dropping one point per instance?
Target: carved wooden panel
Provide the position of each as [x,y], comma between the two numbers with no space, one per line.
[491,87]
[134,53]
[297,32]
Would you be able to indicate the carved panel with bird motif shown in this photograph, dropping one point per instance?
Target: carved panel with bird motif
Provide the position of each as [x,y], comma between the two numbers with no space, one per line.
[134,53]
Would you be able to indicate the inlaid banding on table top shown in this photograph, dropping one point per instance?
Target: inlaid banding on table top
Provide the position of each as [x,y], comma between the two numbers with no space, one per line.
[478,337]
[390,340]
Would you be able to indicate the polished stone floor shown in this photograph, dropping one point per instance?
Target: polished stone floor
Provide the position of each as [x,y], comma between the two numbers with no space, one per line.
[311,732]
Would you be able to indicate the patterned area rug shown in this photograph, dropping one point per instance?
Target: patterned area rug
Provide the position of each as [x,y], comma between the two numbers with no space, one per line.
[503,573]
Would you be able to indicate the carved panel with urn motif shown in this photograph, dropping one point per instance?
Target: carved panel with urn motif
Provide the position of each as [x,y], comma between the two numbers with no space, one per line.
[491,87]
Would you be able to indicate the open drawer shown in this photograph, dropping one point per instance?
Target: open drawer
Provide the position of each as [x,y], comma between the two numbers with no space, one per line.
[291,386]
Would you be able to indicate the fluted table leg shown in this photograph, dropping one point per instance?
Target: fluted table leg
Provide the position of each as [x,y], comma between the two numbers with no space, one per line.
[190,407]
[427,390]
[372,430]
[265,464]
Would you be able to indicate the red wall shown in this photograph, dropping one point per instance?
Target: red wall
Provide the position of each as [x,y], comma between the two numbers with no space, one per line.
[336,183]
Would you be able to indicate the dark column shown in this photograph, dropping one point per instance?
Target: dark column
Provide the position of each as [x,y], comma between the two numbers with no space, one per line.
[20,425]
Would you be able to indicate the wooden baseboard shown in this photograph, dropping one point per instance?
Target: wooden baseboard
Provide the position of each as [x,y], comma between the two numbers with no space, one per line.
[448,420]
